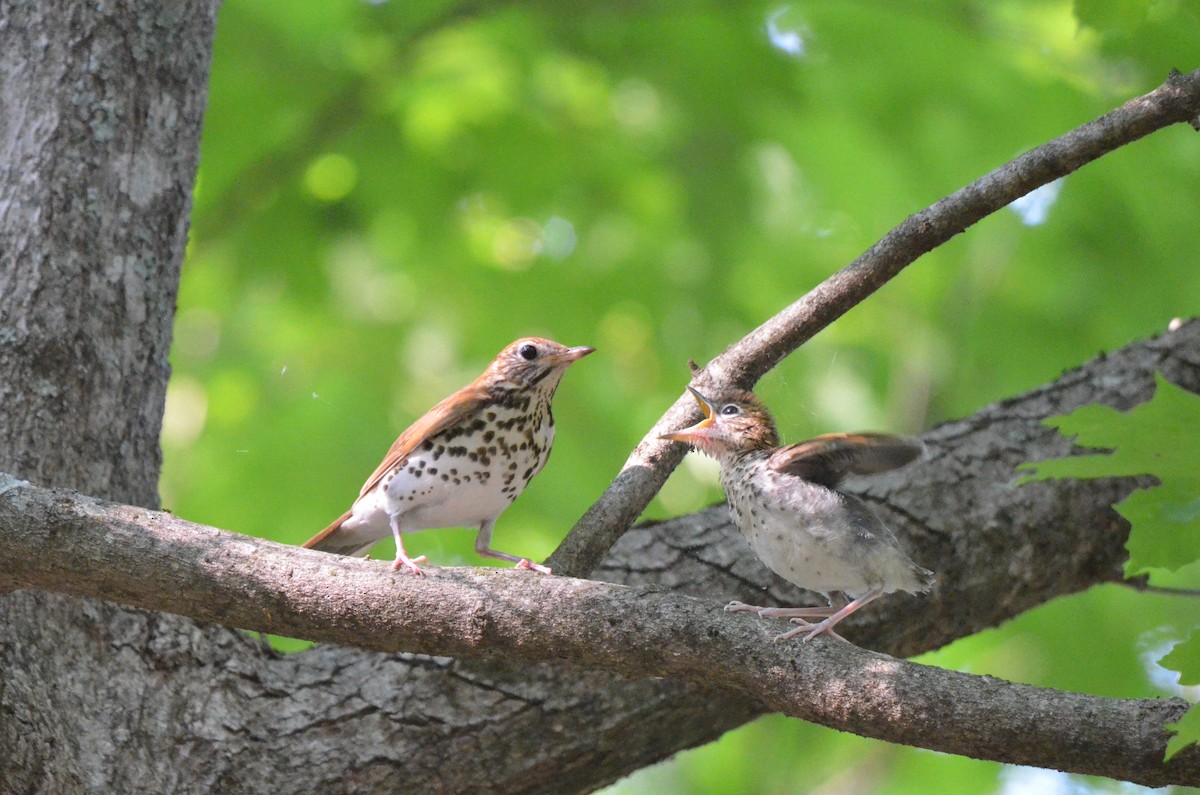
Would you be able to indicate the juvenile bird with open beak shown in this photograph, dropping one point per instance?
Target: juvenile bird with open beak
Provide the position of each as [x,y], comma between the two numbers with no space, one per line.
[784,501]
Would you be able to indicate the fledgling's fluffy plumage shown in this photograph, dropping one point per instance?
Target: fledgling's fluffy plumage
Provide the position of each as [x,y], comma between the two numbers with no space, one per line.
[785,502]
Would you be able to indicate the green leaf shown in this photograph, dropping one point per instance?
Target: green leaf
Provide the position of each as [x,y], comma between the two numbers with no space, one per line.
[1185,658]
[1160,438]
[1165,524]
[1187,731]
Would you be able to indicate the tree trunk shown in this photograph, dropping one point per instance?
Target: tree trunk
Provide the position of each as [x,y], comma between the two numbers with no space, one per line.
[100,133]
[100,115]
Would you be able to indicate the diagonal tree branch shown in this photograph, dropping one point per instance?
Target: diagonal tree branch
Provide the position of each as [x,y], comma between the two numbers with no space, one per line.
[63,542]
[743,363]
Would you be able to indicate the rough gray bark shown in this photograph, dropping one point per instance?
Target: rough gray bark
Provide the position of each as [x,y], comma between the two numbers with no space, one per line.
[98,141]
[100,112]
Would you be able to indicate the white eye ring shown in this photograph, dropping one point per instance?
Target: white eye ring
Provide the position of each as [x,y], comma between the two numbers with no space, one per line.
[528,352]
[730,410]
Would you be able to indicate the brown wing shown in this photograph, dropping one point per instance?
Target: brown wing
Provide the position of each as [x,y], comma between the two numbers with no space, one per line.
[449,411]
[829,458]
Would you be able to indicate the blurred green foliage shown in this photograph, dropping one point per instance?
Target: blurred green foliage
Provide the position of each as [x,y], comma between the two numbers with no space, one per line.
[390,192]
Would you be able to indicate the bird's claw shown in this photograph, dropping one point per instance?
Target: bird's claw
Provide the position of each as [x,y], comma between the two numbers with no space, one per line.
[409,563]
[524,563]
[742,607]
[824,627]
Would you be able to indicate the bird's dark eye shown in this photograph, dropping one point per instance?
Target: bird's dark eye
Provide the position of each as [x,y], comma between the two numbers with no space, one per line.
[730,410]
[528,352]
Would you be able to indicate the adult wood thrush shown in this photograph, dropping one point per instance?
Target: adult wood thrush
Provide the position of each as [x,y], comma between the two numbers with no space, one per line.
[784,501]
[465,461]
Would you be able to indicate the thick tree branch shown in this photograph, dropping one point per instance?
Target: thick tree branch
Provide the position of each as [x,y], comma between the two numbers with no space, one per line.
[86,547]
[62,542]
[1174,102]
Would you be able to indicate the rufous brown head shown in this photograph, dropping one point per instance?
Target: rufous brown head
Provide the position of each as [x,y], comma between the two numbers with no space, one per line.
[735,421]
[535,362]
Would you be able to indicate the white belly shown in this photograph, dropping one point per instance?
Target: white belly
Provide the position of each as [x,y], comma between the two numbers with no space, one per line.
[810,561]
[462,481]
[803,541]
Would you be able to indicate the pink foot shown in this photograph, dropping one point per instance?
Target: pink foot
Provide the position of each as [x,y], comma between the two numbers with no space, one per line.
[528,564]
[798,615]
[780,612]
[409,563]
[825,627]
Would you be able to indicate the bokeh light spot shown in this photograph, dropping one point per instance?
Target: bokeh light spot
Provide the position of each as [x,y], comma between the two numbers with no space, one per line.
[331,177]
[186,411]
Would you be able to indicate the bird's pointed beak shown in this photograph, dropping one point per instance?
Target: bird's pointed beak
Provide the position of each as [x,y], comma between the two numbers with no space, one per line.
[572,355]
[691,434]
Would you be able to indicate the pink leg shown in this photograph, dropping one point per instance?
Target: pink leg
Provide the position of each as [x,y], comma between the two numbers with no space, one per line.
[781,612]
[402,558]
[827,625]
[483,547]
[804,626]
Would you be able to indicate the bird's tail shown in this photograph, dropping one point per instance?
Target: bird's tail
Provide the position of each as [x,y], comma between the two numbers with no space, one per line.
[330,540]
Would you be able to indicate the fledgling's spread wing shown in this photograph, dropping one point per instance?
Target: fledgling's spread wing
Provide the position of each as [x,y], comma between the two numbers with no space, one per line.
[829,458]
